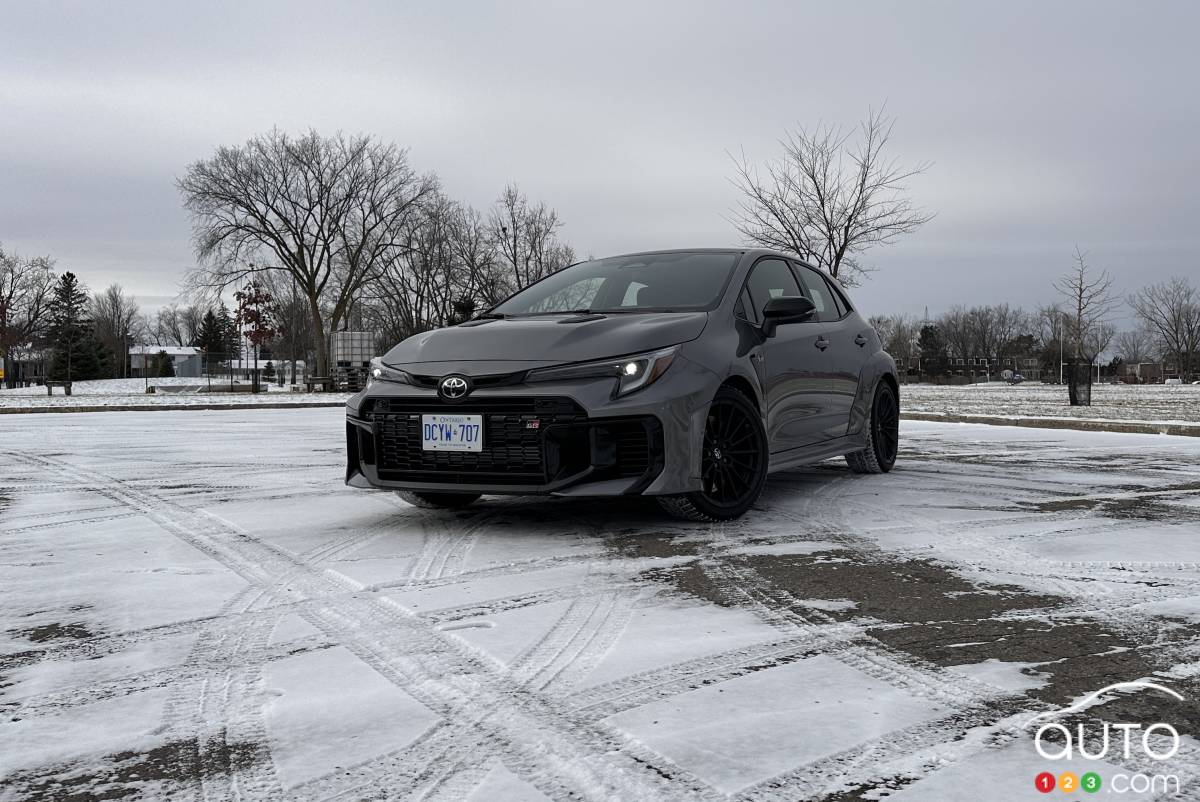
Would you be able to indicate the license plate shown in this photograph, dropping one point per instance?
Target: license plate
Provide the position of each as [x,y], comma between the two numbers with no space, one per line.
[452,432]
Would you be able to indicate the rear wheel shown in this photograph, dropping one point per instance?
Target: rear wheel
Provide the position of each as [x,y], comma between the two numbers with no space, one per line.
[733,466]
[883,434]
[444,501]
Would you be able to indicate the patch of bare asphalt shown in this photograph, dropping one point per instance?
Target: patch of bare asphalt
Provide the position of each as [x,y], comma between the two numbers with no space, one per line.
[657,544]
[926,610]
[136,775]
[1138,503]
[54,631]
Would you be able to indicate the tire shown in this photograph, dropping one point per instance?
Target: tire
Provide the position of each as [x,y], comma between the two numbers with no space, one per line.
[733,465]
[883,434]
[440,501]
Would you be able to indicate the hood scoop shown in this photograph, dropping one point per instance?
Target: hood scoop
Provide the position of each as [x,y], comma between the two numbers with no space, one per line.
[583,318]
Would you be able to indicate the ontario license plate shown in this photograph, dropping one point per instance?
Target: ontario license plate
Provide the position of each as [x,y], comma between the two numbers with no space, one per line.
[452,432]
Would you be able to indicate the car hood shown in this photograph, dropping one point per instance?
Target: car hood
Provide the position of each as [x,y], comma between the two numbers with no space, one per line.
[528,342]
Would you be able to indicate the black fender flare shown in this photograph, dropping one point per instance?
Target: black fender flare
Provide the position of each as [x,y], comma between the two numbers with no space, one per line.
[879,367]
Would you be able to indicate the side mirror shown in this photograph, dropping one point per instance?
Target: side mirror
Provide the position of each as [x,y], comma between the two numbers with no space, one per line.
[786,309]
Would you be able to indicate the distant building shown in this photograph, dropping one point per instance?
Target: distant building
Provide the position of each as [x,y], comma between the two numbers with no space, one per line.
[1148,372]
[26,366]
[187,359]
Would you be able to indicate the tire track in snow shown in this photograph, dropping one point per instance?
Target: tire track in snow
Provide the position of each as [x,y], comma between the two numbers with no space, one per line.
[970,703]
[446,763]
[219,660]
[436,669]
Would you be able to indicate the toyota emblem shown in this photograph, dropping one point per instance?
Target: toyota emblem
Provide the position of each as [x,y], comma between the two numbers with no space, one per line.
[454,388]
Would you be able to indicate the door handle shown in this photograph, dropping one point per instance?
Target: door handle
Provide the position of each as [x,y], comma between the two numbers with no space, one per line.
[822,342]
[860,341]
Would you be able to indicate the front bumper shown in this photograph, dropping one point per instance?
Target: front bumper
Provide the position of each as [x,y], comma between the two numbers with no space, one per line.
[561,439]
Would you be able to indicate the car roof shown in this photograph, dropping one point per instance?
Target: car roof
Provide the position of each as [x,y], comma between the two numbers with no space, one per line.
[755,252]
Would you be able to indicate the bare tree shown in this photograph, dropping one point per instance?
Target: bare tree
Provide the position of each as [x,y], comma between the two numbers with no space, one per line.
[324,210]
[478,251]
[115,317]
[1171,310]
[422,277]
[1048,323]
[958,329]
[176,325]
[167,328]
[1089,304]
[899,335]
[995,328]
[526,236]
[25,292]
[884,325]
[828,198]
[1135,346]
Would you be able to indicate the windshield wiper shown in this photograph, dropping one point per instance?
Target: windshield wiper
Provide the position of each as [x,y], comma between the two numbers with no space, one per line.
[491,316]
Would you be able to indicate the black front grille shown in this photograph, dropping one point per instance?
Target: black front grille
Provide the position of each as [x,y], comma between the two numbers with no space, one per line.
[513,431]
[528,442]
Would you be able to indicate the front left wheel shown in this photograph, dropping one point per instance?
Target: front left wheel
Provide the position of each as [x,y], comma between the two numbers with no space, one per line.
[733,466]
[441,501]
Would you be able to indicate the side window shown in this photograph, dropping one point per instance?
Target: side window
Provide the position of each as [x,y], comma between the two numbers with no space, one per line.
[839,300]
[631,293]
[745,307]
[771,278]
[835,297]
[830,303]
[818,292]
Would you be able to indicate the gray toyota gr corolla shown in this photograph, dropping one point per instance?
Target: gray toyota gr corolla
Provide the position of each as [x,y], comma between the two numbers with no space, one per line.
[686,375]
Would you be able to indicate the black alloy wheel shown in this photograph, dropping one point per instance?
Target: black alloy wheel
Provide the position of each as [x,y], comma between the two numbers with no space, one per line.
[733,465]
[885,422]
[883,434]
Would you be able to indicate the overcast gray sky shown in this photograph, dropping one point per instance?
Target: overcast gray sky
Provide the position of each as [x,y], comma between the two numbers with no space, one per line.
[1049,123]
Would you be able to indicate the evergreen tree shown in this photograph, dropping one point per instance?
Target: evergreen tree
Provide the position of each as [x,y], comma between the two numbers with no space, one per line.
[231,342]
[75,353]
[211,339]
[164,366]
[932,345]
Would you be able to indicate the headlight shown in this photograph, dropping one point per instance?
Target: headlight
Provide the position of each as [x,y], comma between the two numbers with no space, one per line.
[632,372]
[380,372]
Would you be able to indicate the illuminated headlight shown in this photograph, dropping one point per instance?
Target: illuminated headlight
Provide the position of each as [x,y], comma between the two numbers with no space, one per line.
[632,372]
[380,372]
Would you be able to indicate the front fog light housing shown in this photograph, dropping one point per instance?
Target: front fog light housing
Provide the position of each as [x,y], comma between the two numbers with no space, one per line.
[632,373]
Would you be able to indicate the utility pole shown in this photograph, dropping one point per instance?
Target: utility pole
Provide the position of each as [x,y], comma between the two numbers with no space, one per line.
[1060,347]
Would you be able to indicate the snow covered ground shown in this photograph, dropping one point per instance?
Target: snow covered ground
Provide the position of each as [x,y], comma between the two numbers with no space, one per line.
[195,605]
[1154,403]
[172,392]
[1148,402]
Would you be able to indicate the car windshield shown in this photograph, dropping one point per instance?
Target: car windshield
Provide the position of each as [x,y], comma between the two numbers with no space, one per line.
[660,282]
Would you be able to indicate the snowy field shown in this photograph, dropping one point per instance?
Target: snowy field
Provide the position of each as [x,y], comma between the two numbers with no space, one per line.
[1111,402]
[173,392]
[195,606]
[1130,402]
